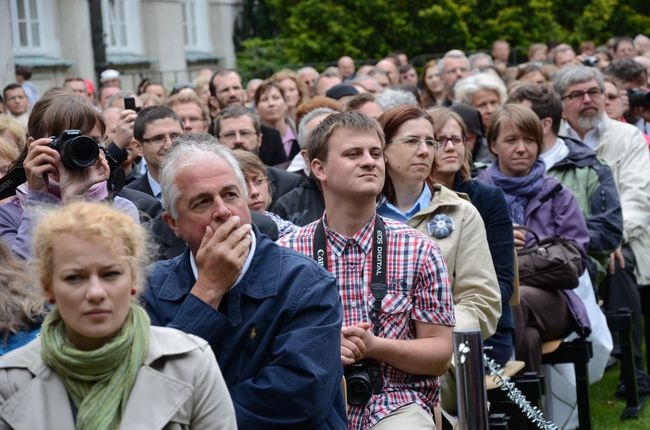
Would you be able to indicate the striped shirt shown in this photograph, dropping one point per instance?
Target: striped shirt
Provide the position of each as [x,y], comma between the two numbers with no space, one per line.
[418,290]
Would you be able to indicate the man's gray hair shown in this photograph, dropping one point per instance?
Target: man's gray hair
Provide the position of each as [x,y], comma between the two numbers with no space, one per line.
[303,133]
[572,75]
[454,53]
[480,56]
[307,69]
[390,98]
[186,151]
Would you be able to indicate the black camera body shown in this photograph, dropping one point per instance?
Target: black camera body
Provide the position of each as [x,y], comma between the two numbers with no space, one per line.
[590,61]
[77,150]
[363,379]
[638,98]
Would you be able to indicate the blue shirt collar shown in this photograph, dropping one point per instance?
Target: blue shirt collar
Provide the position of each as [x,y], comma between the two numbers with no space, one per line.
[388,210]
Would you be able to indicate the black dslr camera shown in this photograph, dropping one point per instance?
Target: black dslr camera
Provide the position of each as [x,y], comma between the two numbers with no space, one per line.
[362,379]
[638,98]
[77,151]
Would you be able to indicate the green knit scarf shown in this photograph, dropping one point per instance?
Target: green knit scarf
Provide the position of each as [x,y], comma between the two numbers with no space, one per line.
[99,381]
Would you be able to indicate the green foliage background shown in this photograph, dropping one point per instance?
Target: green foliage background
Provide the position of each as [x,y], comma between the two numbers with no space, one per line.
[271,34]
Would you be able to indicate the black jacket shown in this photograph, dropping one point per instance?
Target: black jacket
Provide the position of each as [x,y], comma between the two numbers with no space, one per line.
[141,184]
[272,150]
[301,205]
[282,181]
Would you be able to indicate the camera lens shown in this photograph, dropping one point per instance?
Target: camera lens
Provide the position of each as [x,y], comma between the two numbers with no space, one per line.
[80,152]
[359,389]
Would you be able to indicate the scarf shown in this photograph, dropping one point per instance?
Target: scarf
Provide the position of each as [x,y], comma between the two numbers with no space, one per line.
[518,189]
[99,381]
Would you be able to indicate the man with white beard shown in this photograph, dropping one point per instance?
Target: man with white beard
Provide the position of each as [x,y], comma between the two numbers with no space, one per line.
[623,148]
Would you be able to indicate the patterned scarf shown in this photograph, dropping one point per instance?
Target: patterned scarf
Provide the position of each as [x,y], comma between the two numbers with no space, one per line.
[518,189]
[99,381]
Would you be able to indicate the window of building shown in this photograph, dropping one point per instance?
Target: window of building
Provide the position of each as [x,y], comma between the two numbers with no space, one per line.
[32,27]
[122,26]
[25,24]
[195,25]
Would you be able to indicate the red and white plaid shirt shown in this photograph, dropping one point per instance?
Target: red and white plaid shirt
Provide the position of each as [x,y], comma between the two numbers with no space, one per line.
[418,290]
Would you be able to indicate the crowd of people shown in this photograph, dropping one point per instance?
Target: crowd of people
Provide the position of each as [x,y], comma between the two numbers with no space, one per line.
[296,252]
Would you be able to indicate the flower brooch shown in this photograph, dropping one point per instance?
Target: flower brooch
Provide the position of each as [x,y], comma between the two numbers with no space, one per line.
[440,226]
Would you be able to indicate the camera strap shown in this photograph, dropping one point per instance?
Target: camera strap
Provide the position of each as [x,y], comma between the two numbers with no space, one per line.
[378,286]
[11,181]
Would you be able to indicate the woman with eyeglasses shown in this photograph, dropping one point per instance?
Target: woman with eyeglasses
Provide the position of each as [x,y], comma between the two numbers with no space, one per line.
[451,169]
[542,205]
[447,218]
[50,177]
[260,190]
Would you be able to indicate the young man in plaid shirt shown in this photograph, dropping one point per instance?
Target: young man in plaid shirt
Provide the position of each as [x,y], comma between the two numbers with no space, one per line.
[403,324]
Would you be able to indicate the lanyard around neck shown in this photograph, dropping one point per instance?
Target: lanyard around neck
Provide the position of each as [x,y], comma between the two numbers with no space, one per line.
[378,278]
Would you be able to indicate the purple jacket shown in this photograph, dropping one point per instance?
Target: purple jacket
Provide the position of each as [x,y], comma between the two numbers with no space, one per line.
[554,211]
[17,218]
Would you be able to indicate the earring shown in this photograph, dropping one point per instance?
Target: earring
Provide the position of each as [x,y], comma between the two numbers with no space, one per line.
[133,291]
[51,300]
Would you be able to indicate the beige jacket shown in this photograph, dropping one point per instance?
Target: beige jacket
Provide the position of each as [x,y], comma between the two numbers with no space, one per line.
[179,386]
[623,148]
[477,297]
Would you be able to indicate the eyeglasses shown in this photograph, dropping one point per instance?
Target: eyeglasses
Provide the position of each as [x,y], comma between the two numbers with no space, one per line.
[231,136]
[159,139]
[455,140]
[414,142]
[593,93]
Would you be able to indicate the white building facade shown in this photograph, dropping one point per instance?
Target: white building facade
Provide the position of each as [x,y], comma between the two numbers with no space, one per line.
[164,40]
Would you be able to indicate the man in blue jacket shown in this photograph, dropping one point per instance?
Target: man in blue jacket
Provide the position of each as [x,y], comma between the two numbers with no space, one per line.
[273,317]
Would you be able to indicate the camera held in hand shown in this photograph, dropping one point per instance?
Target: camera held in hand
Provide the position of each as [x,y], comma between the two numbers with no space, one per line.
[363,379]
[638,98]
[591,61]
[77,150]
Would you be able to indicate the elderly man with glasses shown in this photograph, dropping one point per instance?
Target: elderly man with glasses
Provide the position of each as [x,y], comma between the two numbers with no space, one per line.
[238,128]
[623,148]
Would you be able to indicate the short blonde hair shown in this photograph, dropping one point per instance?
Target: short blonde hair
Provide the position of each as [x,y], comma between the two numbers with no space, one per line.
[88,221]
[7,123]
[21,304]
[8,151]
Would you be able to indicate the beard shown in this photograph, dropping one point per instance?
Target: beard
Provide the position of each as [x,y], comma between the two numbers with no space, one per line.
[587,122]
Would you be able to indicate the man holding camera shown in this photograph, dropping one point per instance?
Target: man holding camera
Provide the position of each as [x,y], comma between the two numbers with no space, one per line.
[397,305]
[633,77]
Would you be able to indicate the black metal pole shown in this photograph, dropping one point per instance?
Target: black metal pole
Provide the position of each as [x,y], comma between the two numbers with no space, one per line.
[97,31]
